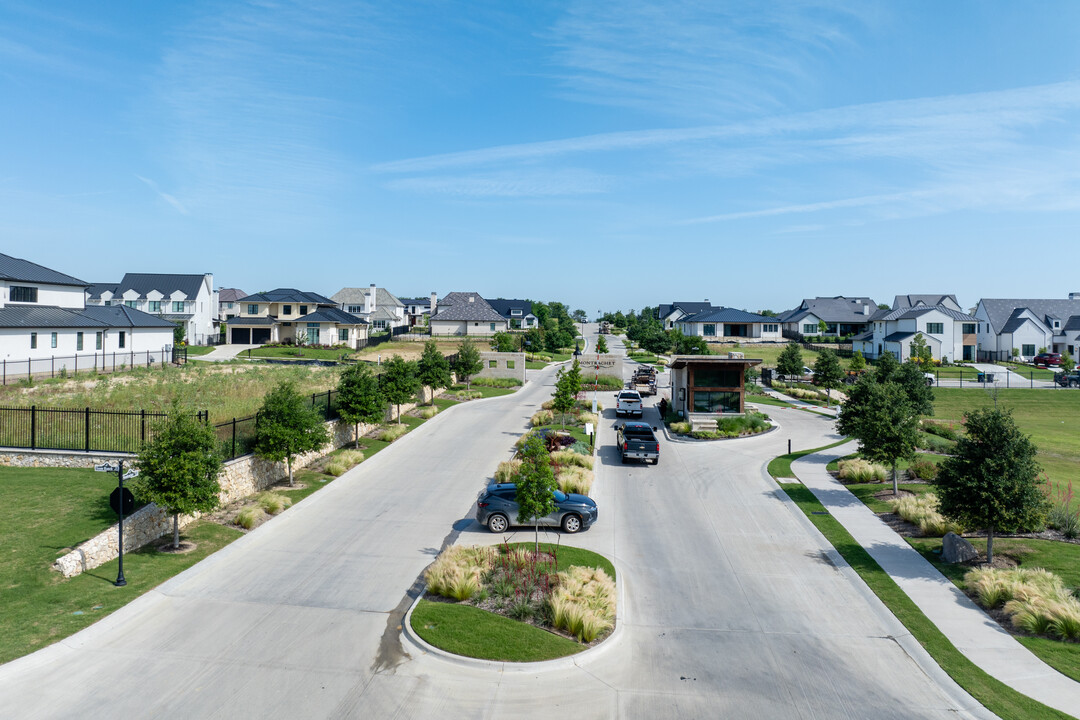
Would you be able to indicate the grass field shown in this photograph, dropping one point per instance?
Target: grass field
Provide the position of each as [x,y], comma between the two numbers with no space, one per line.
[300,353]
[1045,415]
[200,349]
[766,352]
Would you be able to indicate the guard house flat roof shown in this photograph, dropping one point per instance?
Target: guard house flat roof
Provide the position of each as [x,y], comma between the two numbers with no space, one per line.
[679,361]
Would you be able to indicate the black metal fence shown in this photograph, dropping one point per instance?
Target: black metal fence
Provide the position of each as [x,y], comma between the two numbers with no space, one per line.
[13,371]
[237,436]
[844,351]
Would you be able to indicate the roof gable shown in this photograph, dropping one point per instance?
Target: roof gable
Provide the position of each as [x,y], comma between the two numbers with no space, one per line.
[999,311]
[18,270]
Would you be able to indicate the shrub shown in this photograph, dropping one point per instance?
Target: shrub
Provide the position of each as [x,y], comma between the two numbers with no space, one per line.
[941,428]
[496,382]
[934,443]
[507,470]
[574,479]
[861,471]
[392,433]
[682,428]
[923,469]
[249,517]
[274,503]
[569,457]
[428,412]
[922,510]
[542,417]
[1061,516]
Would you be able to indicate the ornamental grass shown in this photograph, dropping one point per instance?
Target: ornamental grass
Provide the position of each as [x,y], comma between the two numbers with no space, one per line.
[456,573]
[542,417]
[569,457]
[249,517]
[428,412]
[583,602]
[392,433]
[861,471]
[574,479]
[273,503]
[507,471]
[1036,600]
[922,510]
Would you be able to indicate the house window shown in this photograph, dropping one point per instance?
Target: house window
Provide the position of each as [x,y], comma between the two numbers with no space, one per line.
[969,328]
[492,327]
[123,337]
[935,328]
[770,328]
[20,293]
[53,340]
[108,303]
[178,306]
[228,306]
[253,309]
[303,309]
[78,341]
[97,341]
[131,303]
[809,329]
[33,341]
[709,330]
[343,335]
[356,308]
[154,306]
[1027,350]
[515,312]
[286,309]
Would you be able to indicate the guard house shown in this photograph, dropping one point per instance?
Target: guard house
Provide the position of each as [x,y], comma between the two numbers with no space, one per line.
[706,385]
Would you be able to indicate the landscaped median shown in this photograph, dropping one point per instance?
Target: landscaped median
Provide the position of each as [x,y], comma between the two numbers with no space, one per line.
[510,603]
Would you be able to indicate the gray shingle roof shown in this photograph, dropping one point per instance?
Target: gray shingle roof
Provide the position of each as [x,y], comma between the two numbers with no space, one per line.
[899,336]
[458,306]
[289,295]
[356,296]
[902,301]
[334,315]
[911,312]
[837,309]
[727,315]
[230,294]
[123,316]
[19,270]
[1000,310]
[145,283]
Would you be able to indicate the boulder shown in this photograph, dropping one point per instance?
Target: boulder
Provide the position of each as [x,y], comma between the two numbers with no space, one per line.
[955,549]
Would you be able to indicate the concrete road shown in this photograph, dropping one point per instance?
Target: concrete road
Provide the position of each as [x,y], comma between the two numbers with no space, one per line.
[734,605]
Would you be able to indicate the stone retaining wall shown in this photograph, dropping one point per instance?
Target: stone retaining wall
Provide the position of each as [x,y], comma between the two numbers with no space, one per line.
[239,478]
[502,365]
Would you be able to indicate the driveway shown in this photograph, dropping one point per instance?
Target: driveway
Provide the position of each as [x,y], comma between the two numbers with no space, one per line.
[734,605]
[223,352]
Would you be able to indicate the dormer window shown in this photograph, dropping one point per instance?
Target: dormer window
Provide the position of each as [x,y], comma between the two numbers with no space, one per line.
[21,293]
[515,312]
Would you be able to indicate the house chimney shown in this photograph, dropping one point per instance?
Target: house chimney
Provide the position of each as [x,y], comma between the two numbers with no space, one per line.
[369,300]
[1074,296]
[434,303]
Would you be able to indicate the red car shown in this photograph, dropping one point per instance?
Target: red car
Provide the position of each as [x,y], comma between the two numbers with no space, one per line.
[1047,359]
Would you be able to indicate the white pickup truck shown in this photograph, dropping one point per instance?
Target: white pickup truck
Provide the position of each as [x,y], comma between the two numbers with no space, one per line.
[628,402]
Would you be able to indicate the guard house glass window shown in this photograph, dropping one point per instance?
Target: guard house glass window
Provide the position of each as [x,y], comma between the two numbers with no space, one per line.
[33,341]
[253,309]
[123,336]
[78,341]
[20,293]
[97,341]
[154,305]
[935,328]
[178,306]
[52,340]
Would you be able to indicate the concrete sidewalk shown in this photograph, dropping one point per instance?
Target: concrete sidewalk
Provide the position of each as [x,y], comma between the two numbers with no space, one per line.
[223,352]
[970,629]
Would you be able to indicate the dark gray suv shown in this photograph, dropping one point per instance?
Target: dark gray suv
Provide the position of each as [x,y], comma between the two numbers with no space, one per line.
[497,508]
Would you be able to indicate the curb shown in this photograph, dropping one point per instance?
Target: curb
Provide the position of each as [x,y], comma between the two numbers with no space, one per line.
[410,639]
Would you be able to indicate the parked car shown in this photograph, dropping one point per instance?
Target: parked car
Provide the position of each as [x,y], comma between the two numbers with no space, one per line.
[1047,359]
[497,509]
[930,379]
[1068,379]
[637,441]
[628,402]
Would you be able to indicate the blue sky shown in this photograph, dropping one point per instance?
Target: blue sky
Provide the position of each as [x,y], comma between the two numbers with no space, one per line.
[607,155]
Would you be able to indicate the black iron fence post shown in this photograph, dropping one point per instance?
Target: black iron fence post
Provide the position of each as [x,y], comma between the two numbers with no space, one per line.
[86,426]
[142,425]
[233,438]
[33,427]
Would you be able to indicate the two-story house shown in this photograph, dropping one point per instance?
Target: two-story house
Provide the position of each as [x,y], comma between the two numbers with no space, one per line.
[843,316]
[949,332]
[466,313]
[518,313]
[1020,326]
[377,305]
[227,303]
[287,315]
[418,310]
[186,300]
[43,315]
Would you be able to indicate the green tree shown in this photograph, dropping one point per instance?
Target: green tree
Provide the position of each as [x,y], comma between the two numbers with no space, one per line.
[920,352]
[1067,362]
[504,342]
[178,469]
[827,373]
[360,399]
[857,362]
[567,386]
[886,367]
[601,345]
[912,378]
[399,382]
[688,344]
[433,369]
[652,337]
[790,361]
[822,327]
[286,426]
[467,363]
[580,316]
[880,416]
[179,332]
[991,482]
[535,484]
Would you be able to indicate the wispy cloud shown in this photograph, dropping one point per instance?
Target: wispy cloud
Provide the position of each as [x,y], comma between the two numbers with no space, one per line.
[526,184]
[164,195]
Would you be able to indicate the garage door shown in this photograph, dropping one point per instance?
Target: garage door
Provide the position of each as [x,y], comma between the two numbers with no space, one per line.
[241,336]
[260,336]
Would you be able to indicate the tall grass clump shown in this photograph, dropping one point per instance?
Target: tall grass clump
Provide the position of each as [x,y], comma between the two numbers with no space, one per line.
[249,517]
[569,457]
[1062,516]
[574,479]
[680,428]
[542,417]
[583,602]
[588,417]
[860,471]
[941,428]
[273,503]
[507,471]
[1035,600]
[428,412]
[392,432]
[456,573]
[922,510]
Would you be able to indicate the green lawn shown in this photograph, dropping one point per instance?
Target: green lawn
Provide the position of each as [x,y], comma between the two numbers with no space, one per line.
[484,391]
[766,352]
[1029,371]
[997,697]
[767,400]
[780,467]
[466,630]
[200,349]
[1045,415]
[299,353]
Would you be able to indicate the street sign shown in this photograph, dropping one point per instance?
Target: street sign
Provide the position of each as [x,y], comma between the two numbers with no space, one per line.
[122,495]
[130,474]
[106,467]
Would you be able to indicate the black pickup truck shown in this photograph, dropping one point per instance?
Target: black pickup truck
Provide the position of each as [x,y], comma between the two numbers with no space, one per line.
[637,441]
[1068,379]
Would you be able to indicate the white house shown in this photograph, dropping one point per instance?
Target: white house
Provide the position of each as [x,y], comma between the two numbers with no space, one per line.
[671,313]
[843,316]
[188,300]
[376,305]
[45,325]
[948,331]
[518,313]
[466,313]
[418,310]
[1019,327]
[730,324]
